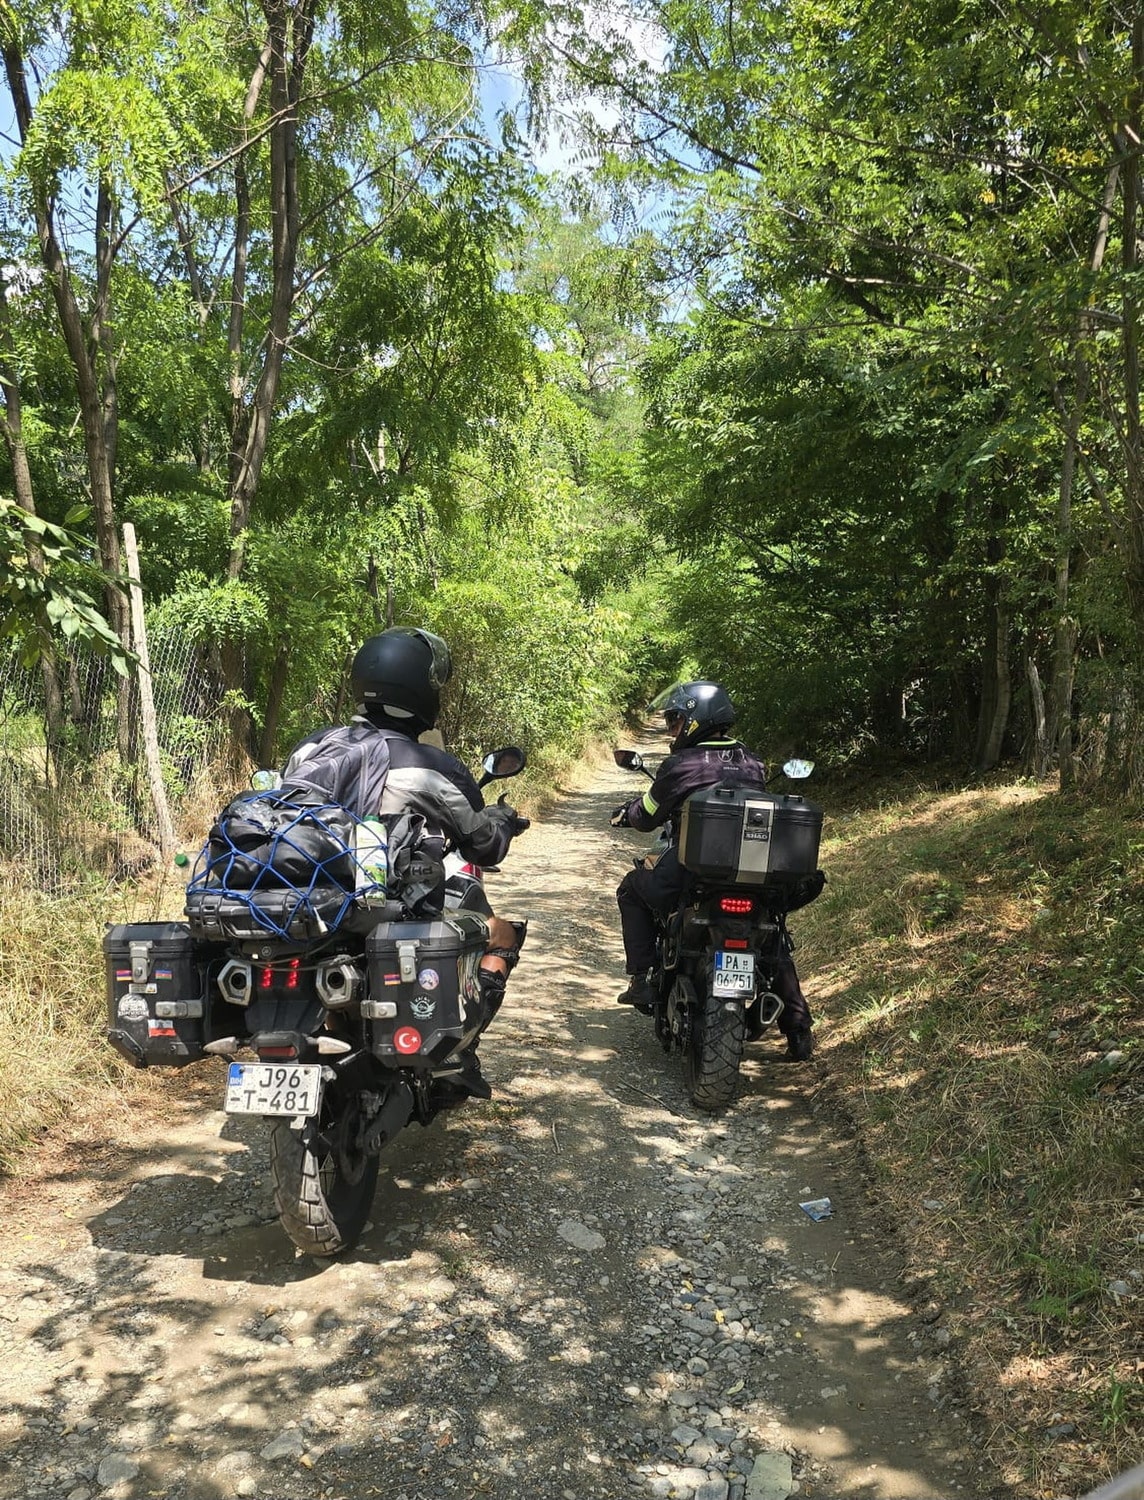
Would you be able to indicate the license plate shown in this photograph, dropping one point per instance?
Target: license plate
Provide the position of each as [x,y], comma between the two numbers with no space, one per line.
[734,973]
[273,1089]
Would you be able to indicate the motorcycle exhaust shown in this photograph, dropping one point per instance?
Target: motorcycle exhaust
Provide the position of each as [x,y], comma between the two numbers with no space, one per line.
[339,983]
[236,982]
[770,1008]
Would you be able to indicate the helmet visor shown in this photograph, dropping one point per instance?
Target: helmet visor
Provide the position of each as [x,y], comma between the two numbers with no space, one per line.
[658,704]
[441,666]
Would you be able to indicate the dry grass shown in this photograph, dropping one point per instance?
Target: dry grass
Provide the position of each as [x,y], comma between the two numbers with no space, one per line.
[54,1061]
[979,959]
[52,1057]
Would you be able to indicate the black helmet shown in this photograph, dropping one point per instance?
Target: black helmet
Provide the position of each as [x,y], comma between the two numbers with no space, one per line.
[399,675]
[692,710]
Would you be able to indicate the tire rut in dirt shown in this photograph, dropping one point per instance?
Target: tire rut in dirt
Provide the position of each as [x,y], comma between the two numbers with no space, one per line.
[712,1056]
[321,1207]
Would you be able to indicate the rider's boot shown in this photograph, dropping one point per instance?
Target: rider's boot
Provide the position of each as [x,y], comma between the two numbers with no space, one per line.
[641,993]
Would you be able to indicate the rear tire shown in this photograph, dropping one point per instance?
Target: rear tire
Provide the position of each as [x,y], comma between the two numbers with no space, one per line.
[323,1193]
[713,1052]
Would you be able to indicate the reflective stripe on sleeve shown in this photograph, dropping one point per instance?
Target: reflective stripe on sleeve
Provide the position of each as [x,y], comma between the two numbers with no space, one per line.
[649,804]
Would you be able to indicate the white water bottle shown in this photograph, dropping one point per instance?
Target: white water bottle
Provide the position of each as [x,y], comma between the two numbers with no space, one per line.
[371,850]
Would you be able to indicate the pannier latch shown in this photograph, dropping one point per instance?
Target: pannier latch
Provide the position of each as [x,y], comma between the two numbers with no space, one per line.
[407,960]
[140,963]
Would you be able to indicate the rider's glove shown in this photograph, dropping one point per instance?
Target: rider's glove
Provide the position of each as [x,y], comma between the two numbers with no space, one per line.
[508,814]
[620,816]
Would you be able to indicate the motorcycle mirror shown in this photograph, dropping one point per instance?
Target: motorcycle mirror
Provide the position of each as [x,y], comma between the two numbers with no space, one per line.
[631,760]
[266,781]
[510,760]
[797,770]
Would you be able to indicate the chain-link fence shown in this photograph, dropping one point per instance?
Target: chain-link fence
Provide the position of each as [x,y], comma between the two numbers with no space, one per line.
[74,796]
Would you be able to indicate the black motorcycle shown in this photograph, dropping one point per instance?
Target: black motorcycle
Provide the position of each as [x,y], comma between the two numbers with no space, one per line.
[344,1019]
[749,858]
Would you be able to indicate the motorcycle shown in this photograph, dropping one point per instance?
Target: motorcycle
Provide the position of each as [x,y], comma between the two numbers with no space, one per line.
[357,1022]
[749,858]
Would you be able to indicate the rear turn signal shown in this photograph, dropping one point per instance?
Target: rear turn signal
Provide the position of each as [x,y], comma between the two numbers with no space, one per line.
[736,906]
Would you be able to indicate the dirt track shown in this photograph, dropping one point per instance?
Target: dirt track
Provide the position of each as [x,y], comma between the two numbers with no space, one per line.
[584,1288]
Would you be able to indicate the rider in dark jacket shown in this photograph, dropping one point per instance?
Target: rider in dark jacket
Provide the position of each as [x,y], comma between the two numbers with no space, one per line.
[377,767]
[698,716]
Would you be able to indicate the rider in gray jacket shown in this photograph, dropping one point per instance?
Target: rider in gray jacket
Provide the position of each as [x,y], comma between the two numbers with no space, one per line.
[377,767]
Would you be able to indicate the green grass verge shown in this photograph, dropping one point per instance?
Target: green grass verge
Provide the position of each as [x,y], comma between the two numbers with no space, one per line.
[978,961]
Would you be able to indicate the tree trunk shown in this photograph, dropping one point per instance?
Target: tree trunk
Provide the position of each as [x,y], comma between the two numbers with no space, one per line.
[1060,728]
[267,749]
[148,720]
[996,689]
[1041,744]
[1130,256]
[291,29]
[289,35]
[81,354]
[996,686]
[343,692]
[25,498]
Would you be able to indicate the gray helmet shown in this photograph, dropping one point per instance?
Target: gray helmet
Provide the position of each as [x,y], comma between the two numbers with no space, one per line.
[399,674]
[693,710]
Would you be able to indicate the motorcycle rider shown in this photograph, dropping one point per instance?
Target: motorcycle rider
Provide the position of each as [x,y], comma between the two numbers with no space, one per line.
[698,716]
[377,767]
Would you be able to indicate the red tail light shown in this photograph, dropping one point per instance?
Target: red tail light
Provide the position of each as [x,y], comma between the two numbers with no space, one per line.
[736,906]
[291,972]
[277,1052]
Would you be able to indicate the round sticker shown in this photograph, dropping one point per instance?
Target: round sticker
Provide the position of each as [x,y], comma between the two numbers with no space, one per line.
[428,979]
[407,1039]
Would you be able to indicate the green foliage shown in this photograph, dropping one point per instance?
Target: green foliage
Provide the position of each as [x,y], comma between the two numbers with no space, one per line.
[212,613]
[45,583]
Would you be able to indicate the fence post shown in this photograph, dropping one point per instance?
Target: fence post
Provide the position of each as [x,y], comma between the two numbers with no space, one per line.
[147,698]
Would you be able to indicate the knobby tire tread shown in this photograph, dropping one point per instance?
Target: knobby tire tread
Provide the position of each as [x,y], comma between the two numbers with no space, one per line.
[304,1211]
[715,1054]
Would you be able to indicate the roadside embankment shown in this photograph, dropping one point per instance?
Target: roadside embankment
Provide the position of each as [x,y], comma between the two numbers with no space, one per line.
[976,957]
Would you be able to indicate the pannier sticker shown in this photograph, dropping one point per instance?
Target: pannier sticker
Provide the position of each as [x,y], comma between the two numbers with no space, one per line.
[132,1008]
[160,1028]
[123,974]
[164,974]
[391,979]
[428,979]
[423,1006]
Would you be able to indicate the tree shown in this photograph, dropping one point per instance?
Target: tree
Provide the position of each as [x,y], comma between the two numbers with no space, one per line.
[963,182]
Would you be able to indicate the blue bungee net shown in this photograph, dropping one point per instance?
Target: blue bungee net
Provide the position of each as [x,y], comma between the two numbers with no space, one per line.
[290,866]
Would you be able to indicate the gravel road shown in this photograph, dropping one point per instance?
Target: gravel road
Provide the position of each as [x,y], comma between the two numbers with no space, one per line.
[583,1288]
